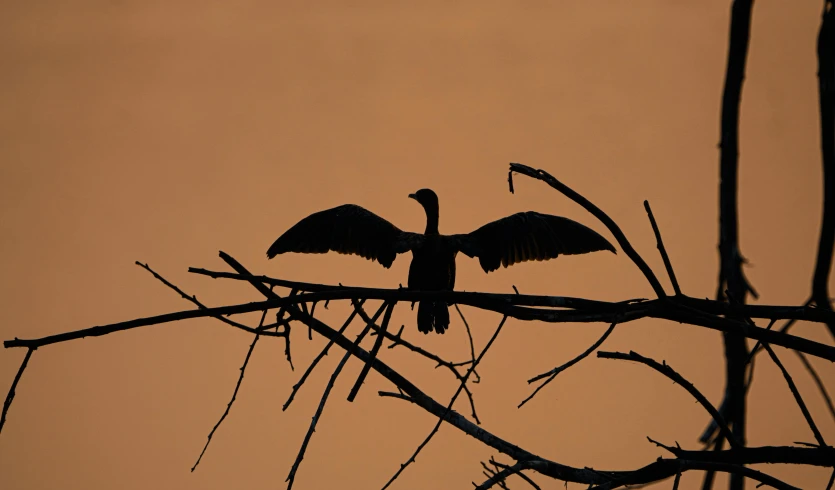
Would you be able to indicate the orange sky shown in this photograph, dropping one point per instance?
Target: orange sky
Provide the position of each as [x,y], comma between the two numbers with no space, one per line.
[166,131]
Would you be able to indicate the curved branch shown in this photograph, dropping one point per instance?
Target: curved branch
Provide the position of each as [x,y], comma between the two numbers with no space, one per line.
[679,379]
[614,229]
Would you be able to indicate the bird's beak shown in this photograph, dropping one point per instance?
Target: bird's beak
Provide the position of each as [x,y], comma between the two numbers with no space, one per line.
[413,196]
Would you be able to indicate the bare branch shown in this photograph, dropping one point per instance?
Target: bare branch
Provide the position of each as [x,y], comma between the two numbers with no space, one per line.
[662,250]
[449,406]
[10,396]
[322,354]
[470,337]
[818,382]
[797,397]
[292,476]
[557,370]
[669,372]
[374,350]
[614,229]
[234,394]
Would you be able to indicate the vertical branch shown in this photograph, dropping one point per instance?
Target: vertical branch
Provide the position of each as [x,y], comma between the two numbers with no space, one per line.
[826,94]
[731,276]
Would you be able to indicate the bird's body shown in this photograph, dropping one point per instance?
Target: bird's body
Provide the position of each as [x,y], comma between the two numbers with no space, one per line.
[351,229]
[433,269]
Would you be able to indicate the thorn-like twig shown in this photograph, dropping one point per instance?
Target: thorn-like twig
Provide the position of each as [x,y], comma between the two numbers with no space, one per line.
[669,372]
[557,370]
[449,406]
[234,394]
[348,353]
[614,229]
[322,354]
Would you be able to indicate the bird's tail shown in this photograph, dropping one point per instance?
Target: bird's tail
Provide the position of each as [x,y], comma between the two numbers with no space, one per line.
[433,315]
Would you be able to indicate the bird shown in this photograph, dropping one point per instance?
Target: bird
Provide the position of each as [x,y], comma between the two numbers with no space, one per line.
[521,237]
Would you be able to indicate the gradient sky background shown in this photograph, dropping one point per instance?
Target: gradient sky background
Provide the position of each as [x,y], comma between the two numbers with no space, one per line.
[164,131]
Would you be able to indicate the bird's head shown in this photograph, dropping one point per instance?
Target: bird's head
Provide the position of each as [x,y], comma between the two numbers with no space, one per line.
[427,198]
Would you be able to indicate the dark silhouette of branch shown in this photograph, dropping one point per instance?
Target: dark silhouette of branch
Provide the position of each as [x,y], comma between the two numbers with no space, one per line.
[234,393]
[797,397]
[669,372]
[193,299]
[470,337]
[818,382]
[673,309]
[831,480]
[557,370]
[399,340]
[597,212]
[323,353]
[498,477]
[292,476]
[718,446]
[662,250]
[374,350]
[826,95]
[731,275]
[10,396]
[449,406]
[815,456]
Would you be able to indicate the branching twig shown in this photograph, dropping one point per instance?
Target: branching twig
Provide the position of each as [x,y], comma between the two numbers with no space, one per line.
[557,370]
[449,406]
[399,340]
[322,354]
[826,95]
[292,476]
[614,229]
[669,372]
[374,350]
[234,394]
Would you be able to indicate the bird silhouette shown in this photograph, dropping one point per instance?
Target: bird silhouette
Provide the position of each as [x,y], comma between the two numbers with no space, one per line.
[352,229]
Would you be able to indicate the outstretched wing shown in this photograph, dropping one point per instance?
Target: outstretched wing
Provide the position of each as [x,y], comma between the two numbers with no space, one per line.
[346,229]
[528,236]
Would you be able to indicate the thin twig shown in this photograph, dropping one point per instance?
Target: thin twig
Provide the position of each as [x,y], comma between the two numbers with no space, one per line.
[669,372]
[322,354]
[292,476]
[614,229]
[496,478]
[193,299]
[557,370]
[374,351]
[818,382]
[662,250]
[399,340]
[10,396]
[449,406]
[470,337]
[797,397]
[234,393]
